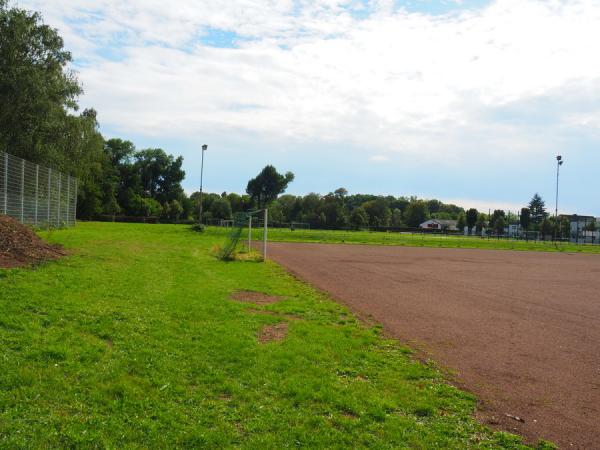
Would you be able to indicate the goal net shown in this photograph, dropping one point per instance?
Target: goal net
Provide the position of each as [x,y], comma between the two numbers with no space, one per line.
[530,235]
[251,220]
[299,226]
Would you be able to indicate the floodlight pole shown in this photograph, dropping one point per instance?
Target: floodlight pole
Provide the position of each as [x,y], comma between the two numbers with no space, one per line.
[204,148]
[559,162]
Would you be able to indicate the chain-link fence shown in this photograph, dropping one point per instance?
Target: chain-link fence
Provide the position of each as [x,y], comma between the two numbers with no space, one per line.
[36,195]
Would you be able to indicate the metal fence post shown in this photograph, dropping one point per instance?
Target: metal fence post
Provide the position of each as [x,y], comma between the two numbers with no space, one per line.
[75,202]
[49,193]
[68,199]
[59,198]
[5,184]
[37,189]
[22,189]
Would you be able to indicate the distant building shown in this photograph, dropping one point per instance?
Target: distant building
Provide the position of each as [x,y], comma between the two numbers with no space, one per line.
[439,224]
[513,230]
[580,231]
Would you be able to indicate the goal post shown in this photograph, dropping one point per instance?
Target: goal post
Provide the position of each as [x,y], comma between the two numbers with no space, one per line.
[250,216]
[226,223]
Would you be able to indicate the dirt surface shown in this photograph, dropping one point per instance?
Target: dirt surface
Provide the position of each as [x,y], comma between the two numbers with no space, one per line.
[20,246]
[258,298]
[271,333]
[521,330]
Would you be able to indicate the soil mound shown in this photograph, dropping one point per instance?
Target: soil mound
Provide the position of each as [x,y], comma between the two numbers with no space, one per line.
[20,246]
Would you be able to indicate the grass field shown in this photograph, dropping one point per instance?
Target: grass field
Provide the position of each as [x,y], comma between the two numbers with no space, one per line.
[133,342]
[421,240]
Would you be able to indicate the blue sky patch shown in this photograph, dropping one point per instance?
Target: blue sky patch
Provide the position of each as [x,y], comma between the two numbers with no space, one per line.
[214,37]
[362,9]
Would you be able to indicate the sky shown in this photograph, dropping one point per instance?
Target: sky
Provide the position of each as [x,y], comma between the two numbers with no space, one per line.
[468,101]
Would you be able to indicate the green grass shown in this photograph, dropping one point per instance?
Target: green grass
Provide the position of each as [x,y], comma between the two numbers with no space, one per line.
[133,342]
[421,240]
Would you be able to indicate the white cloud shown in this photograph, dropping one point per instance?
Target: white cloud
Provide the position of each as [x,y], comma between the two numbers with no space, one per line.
[435,88]
[379,158]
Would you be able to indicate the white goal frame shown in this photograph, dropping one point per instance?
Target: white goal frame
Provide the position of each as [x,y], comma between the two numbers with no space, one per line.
[265,225]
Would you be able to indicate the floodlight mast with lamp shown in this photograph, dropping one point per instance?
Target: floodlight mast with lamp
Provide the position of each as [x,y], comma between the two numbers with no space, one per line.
[559,162]
[204,148]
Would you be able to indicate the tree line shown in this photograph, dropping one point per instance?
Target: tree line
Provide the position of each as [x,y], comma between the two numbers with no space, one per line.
[336,210]
[40,121]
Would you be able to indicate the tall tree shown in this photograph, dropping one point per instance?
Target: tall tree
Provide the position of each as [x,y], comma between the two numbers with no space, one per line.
[359,217]
[397,218]
[291,207]
[434,206]
[461,222]
[84,159]
[537,206]
[416,213]
[525,218]
[499,224]
[161,174]
[341,193]
[495,216]
[267,185]
[38,98]
[120,152]
[472,215]
[332,206]
[546,227]
[379,212]
[481,222]
[37,90]
[221,209]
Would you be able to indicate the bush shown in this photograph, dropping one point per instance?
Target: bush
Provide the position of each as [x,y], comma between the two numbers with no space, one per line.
[198,227]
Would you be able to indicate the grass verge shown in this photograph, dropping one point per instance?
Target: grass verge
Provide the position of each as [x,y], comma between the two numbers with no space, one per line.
[422,240]
[134,342]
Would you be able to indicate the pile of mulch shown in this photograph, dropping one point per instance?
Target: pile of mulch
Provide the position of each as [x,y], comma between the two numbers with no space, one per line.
[20,246]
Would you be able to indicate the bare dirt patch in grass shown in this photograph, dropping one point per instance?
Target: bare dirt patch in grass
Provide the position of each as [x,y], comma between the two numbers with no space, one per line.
[266,312]
[258,298]
[273,333]
[20,246]
[350,415]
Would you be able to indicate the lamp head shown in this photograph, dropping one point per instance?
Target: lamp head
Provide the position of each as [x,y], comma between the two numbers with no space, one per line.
[204,147]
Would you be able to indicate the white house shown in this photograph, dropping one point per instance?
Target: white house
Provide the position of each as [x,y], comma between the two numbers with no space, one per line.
[439,224]
[514,229]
